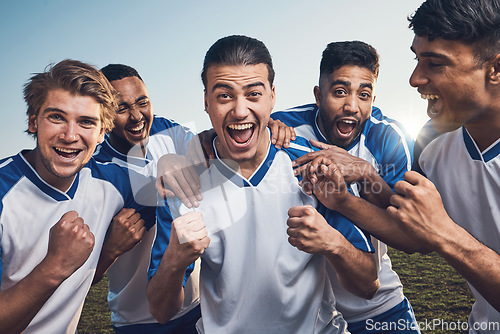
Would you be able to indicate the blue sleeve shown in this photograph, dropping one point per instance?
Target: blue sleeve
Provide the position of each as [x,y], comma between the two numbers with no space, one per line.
[351,232]
[160,244]
[356,236]
[120,178]
[297,116]
[148,213]
[180,134]
[299,147]
[391,146]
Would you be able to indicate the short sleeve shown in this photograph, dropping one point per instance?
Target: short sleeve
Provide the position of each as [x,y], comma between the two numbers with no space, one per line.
[162,239]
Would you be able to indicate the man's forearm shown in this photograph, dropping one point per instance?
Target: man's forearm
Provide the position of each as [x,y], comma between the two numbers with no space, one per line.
[106,260]
[166,293]
[20,303]
[355,269]
[479,264]
[376,191]
[377,222]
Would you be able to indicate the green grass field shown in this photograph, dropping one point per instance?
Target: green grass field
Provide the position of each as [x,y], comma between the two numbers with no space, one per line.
[435,290]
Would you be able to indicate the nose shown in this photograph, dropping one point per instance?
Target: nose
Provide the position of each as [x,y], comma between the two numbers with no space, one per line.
[240,108]
[417,78]
[69,133]
[351,104]
[135,113]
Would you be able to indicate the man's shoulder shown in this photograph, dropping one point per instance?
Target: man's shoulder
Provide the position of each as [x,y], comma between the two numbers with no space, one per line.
[161,124]
[380,127]
[104,152]
[387,140]
[426,136]
[299,147]
[10,173]
[108,171]
[297,116]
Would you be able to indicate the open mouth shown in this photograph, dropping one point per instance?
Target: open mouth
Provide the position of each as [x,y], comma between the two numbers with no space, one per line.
[241,133]
[67,153]
[346,127]
[136,129]
[431,105]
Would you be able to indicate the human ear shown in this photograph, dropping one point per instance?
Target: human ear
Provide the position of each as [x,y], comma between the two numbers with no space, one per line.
[317,95]
[494,70]
[206,102]
[32,124]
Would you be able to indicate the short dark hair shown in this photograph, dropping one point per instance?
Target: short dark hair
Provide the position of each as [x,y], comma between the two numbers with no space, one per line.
[474,22]
[238,50]
[77,78]
[357,53]
[119,71]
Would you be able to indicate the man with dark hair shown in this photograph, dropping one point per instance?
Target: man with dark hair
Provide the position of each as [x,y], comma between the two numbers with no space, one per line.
[137,141]
[372,151]
[453,207]
[455,211]
[261,273]
[48,265]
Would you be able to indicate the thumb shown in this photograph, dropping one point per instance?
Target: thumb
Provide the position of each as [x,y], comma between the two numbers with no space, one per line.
[319,144]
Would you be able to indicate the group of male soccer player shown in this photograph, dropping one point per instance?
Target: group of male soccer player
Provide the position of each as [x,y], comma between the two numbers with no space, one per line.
[273,233]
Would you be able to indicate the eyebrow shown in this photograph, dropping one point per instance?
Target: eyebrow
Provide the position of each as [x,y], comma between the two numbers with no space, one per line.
[227,86]
[430,54]
[123,103]
[51,109]
[142,97]
[340,82]
[348,84]
[221,85]
[95,119]
[366,85]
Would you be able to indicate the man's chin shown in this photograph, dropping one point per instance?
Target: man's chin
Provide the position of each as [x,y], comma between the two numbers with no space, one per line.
[342,142]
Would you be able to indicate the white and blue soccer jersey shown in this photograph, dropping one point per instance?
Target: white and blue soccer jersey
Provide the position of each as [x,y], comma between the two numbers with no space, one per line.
[127,277]
[469,183]
[385,145]
[252,280]
[30,207]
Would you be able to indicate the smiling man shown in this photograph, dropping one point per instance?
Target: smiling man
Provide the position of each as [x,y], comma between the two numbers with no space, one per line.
[137,141]
[57,202]
[265,249]
[371,150]
[455,211]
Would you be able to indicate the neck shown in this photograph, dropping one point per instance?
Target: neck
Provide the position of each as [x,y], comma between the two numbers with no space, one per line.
[484,136]
[320,126]
[245,167]
[60,183]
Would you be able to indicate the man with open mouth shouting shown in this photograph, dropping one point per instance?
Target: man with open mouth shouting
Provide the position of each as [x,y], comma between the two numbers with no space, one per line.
[57,202]
[371,150]
[137,141]
[265,249]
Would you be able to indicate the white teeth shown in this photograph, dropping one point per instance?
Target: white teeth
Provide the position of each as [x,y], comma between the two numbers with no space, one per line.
[138,128]
[240,126]
[348,121]
[429,96]
[66,150]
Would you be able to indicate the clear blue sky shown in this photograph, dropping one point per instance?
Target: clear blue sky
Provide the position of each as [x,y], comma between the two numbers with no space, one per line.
[167,40]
